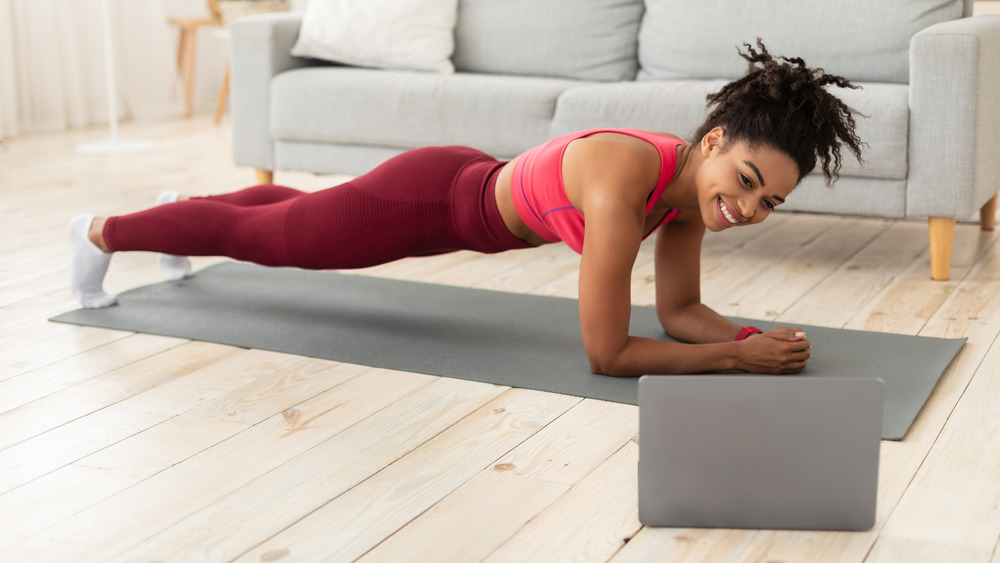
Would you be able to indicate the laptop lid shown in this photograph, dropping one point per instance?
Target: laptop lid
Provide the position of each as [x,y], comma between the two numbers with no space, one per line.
[760,452]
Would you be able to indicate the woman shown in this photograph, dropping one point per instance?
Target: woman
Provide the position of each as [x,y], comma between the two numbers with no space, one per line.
[602,192]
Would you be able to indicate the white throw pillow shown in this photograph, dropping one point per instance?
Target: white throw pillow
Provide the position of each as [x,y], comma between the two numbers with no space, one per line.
[391,34]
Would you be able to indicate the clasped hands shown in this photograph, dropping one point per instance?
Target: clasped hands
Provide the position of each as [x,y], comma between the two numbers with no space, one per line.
[780,351]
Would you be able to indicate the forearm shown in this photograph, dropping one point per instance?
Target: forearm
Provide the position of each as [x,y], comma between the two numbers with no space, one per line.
[647,356]
[697,323]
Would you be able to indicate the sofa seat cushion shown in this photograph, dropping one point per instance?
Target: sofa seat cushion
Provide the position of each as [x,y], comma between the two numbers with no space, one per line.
[678,107]
[860,39]
[501,115]
[592,40]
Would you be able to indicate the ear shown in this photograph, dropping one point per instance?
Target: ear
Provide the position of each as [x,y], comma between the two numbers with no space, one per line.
[714,139]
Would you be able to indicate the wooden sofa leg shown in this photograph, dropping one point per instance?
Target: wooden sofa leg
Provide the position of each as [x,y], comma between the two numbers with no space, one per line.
[942,234]
[264,176]
[988,215]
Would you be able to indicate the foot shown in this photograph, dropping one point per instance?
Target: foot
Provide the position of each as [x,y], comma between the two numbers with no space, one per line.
[88,265]
[175,267]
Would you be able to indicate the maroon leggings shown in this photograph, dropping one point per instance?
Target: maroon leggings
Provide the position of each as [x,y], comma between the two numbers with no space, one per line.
[426,201]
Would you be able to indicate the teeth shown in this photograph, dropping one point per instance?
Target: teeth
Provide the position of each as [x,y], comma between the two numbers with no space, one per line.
[725,212]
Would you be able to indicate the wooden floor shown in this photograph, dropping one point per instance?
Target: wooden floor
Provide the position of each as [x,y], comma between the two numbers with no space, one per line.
[125,447]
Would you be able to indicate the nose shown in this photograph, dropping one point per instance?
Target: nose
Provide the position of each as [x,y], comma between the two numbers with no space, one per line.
[747,207]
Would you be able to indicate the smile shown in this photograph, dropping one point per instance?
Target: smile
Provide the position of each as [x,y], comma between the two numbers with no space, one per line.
[728,216]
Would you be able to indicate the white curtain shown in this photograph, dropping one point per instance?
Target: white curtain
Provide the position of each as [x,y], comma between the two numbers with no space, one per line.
[52,65]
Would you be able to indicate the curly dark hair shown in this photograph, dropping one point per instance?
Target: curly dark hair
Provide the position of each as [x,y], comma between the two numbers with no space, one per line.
[782,103]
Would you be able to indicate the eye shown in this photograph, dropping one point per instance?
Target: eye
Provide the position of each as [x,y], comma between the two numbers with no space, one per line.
[769,204]
[746,180]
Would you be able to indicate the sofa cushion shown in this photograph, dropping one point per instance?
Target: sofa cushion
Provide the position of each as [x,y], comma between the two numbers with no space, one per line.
[864,40]
[501,115]
[396,34]
[592,40]
[851,196]
[678,107]
[675,107]
[885,128]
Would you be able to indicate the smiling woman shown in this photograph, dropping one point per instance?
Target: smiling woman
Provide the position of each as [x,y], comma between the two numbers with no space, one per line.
[599,191]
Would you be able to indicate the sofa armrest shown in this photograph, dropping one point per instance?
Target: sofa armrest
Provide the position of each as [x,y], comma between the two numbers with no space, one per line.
[260,48]
[954,155]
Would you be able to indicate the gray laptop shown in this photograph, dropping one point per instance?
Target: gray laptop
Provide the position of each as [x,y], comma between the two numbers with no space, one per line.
[759,452]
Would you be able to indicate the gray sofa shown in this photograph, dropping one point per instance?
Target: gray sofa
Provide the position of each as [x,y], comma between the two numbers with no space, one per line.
[527,70]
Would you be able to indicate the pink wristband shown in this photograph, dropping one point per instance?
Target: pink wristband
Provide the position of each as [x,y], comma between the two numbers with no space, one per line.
[746,331]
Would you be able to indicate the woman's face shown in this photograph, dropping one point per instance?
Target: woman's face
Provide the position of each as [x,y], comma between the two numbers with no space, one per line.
[738,185]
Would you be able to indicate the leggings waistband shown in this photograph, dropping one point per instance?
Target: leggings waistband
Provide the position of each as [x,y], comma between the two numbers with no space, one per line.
[476,217]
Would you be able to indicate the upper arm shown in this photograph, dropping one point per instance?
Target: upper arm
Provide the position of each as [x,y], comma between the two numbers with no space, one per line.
[678,264]
[610,182]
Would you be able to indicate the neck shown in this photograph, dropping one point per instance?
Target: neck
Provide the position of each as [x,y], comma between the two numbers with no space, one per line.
[682,193]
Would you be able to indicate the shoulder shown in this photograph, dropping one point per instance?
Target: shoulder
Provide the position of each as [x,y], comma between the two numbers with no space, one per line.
[612,155]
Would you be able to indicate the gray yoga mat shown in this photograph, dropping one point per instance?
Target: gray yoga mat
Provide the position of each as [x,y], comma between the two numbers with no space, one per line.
[503,338]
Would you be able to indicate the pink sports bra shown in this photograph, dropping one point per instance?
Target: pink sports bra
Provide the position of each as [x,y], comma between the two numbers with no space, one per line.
[540,195]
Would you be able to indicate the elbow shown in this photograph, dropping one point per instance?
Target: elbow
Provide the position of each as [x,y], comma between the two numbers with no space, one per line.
[607,365]
[672,325]
[611,356]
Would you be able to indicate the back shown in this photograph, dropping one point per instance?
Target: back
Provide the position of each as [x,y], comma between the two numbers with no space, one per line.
[759,452]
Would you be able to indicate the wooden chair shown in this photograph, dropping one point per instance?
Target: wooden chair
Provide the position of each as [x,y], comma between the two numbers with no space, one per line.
[186,48]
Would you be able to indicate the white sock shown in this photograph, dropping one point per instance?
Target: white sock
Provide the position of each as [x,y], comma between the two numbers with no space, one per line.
[87,267]
[175,267]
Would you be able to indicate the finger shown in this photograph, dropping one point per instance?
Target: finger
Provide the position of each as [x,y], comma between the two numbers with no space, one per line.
[799,356]
[796,333]
[797,345]
[799,353]
[791,334]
